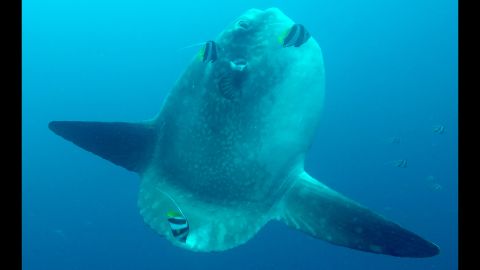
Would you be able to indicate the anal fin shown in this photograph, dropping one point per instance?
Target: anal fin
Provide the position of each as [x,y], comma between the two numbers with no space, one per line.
[317,210]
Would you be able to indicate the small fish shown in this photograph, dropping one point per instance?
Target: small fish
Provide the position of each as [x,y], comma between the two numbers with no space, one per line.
[437,186]
[179,225]
[401,163]
[295,36]
[433,183]
[177,221]
[60,233]
[439,129]
[209,52]
[394,140]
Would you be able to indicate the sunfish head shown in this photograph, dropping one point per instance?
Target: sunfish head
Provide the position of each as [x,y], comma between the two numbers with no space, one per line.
[253,67]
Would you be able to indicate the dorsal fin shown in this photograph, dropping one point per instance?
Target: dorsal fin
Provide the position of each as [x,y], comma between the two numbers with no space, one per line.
[128,145]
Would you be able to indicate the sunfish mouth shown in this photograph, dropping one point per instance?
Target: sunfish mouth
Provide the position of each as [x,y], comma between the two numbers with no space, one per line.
[238,64]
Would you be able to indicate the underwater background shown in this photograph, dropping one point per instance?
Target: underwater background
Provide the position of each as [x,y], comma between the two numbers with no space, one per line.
[391,96]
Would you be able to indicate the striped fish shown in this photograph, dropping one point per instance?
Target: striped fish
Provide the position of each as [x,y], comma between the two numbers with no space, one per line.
[402,163]
[394,140]
[439,129]
[209,52]
[296,36]
[179,225]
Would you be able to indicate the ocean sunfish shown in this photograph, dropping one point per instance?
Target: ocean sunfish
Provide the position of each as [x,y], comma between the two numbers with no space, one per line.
[225,154]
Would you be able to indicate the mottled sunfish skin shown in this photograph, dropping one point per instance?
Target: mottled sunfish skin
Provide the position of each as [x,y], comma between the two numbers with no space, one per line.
[226,151]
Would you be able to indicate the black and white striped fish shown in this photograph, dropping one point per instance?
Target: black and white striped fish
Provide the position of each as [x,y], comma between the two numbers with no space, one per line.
[209,52]
[296,36]
[179,225]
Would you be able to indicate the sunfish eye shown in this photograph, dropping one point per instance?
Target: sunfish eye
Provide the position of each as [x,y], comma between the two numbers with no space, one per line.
[243,24]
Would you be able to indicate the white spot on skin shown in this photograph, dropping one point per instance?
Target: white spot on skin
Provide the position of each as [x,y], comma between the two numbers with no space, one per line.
[156,204]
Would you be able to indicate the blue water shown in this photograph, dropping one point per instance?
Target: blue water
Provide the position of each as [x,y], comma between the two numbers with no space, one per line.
[391,70]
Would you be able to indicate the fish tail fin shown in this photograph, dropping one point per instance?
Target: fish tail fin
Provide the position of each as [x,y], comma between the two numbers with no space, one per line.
[282,36]
[315,209]
[201,54]
[128,145]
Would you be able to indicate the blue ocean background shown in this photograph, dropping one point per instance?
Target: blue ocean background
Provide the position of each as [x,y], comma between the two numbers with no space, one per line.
[391,72]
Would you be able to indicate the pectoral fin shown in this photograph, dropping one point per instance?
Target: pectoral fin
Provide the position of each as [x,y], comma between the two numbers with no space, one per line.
[317,210]
[128,145]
